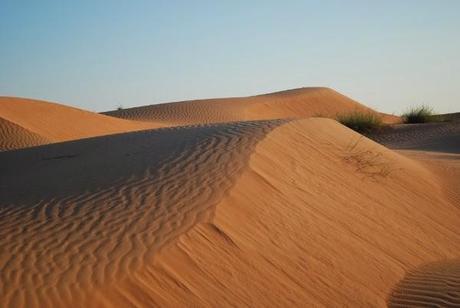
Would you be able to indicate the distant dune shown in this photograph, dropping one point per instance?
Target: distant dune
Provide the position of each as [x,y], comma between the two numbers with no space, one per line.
[27,122]
[439,137]
[297,103]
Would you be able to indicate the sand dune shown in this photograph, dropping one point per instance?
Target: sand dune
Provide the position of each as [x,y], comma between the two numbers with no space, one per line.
[297,103]
[261,213]
[434,137]
[13,136]
[108,205]
[26,122]
[337,221]
[432,285]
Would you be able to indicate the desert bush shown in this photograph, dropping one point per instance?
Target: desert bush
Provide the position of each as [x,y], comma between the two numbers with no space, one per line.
[420,114]
[362,122]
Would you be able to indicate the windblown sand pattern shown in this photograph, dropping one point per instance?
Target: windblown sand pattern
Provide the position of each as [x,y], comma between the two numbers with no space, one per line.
[258,212]
[27,123]
[297,103]
[13,137]
[82,214]
[432,285]
[305,225]
[438,137]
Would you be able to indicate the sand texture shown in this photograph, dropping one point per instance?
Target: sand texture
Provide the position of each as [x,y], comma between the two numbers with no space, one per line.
[259,210]
[297,103]
[433,137]
[26,123]
[432,285]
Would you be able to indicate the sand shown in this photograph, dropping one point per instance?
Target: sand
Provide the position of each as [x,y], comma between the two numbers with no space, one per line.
[296,103]
[432,285]
[432,137]
[27,122]
[261,212]
[13,136]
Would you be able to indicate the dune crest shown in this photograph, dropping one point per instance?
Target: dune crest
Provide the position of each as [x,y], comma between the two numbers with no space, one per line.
[296,103]
[27,122]
[266,212]
[321,232]
[13,136]
[109,204]
[338,219]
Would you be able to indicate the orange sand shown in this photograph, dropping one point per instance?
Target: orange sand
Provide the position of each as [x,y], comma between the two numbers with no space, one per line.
[26,122]
[297,103]
[249,213]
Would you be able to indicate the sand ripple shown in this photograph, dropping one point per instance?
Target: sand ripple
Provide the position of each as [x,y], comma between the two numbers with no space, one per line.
[432,285]
[13,137]
[84,213]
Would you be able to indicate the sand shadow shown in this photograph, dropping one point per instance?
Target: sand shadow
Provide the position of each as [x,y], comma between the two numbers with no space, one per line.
[434,284]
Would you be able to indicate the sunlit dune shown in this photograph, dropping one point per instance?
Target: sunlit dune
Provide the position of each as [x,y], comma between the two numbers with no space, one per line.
[238,202]
[297,103]
[13,136]
[27,122]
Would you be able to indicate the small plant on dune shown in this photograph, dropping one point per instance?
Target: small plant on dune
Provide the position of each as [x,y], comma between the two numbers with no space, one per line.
[420,114]
[120,107]
[362,122]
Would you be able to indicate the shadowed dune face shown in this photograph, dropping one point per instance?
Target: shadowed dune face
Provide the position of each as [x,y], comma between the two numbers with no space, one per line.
[298,103]
[97,209]
[433,137]
[26,123]
[432,285]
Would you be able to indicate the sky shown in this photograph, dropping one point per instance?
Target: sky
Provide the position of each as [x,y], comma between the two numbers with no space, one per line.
[99,55]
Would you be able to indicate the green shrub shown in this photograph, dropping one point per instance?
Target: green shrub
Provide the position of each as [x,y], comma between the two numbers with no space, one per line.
[362,122]
[421,114]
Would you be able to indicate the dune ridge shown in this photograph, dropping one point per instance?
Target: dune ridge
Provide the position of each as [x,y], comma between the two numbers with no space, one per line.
[338,220]
[248,204]
[108,205]
[296,103]
[169,217]
[13,137]
[27,122]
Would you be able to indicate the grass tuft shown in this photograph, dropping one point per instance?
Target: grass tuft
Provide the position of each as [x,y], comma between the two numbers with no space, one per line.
[420,114]
[362,122]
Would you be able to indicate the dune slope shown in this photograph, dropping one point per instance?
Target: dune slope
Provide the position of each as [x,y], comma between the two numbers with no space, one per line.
[249,213]
[297,103]
[434,137]
[13,136]
[321,217]
[26,122]
[435,284]
[98,209]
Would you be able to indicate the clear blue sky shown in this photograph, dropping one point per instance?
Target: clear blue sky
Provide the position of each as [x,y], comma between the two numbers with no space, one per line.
[98,55]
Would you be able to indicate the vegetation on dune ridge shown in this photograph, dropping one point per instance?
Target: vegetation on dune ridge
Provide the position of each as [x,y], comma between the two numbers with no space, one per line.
[420,114]
[362,122]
